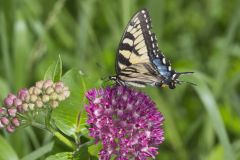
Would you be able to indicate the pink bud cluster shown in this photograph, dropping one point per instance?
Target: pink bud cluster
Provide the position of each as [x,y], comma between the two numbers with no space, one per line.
[43,94]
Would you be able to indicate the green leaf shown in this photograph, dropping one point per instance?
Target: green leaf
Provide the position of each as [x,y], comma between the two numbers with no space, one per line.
[170,124]
[61,156]
[216,153]
[57,74]
[6,150]
[39,152]
[82,154]
[94,149]
[211,107]
[54,71]
[49,73]
[19,139]
[4,88]
[4,49]
[70,116]
[236,146]
[21,51]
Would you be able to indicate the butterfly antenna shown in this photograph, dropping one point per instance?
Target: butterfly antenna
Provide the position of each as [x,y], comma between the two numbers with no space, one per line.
[180,82]
[180,73]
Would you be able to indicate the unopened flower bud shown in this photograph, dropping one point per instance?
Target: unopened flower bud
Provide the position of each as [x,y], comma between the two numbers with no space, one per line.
[49,90]
[12,112]
[39,98]
[58,89]
[12,96]
[10,128]
[15,122]
[4,120]
[20,108]
[66,93]
[27,98]
[61,97]
[33,98]
[22,94]
[31,90]
[54,104]
[45,98]
[25,106]
[2,111]
[39,84]
[17,102]
[61,84]
[39,104]
[8,102]
[53,96]
[37,91]
[65,88]
[47,83]
[1,125]
[31,106]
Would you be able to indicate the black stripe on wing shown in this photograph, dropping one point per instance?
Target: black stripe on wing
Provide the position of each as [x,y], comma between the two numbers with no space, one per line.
[133,47]
[139,75]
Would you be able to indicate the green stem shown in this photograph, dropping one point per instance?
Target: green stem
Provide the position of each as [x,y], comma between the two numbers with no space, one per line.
[89,143]
[65,140]
[48,127]
[40,126]
[61,137]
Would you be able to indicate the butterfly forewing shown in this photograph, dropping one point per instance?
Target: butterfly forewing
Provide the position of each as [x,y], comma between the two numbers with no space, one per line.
[133,46]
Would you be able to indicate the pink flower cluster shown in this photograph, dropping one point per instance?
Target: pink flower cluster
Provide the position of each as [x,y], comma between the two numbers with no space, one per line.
[126,121]
[43,94]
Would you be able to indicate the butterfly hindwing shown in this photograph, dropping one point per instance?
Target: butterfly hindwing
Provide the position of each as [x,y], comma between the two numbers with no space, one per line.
[140,75]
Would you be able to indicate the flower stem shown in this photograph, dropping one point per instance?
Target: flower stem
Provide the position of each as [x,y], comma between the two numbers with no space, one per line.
[65,140]
[61,137]
[89,143]
[40,126]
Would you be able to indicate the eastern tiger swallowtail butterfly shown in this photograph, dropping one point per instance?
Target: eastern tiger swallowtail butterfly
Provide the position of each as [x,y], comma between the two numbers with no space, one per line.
[139,62]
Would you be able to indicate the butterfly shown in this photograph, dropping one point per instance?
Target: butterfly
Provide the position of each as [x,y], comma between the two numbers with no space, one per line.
[139,62]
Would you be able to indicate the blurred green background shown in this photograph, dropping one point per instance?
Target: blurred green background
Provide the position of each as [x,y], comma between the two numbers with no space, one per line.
[202,122]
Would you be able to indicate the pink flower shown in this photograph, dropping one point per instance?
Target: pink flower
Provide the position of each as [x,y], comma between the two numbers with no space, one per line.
[126,121]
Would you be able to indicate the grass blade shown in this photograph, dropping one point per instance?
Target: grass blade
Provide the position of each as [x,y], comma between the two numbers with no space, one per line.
[211,107]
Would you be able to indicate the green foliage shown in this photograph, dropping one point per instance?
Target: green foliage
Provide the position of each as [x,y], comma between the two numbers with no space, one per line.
[41,151]
[71,116]
[201,122]
[7,151]
[61,156]
[54,71]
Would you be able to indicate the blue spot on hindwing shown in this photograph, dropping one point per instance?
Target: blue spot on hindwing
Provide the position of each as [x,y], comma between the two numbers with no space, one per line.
[162,69]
